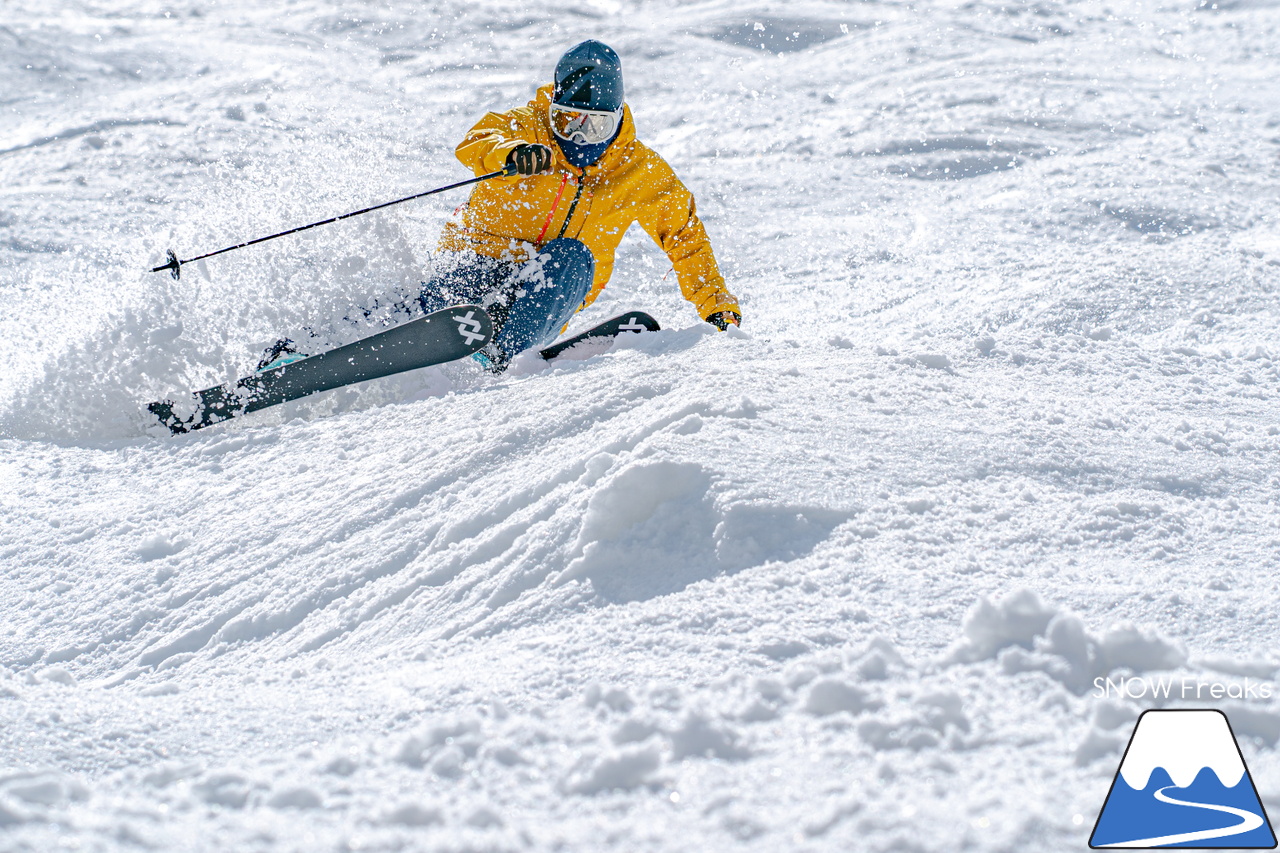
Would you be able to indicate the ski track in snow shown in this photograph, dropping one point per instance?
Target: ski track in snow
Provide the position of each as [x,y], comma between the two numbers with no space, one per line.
[1002,419]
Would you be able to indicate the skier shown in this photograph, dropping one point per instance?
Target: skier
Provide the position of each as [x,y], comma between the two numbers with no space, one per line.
[537,245]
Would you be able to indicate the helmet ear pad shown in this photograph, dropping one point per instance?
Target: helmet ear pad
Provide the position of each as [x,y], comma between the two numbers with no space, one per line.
[589,76]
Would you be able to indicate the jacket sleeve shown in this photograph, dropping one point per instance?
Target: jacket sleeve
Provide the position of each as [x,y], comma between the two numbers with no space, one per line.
[671,219]
[485,147]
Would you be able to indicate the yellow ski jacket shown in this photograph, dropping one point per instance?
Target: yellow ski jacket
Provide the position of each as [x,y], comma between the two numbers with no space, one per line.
[512,217]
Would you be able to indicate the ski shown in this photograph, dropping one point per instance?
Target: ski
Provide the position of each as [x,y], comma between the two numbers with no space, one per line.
[434,339]
[633,321]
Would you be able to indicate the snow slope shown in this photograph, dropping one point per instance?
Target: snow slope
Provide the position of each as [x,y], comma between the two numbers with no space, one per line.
[1002,419]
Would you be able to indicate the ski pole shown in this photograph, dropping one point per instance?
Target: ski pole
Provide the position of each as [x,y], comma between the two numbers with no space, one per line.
[175,266]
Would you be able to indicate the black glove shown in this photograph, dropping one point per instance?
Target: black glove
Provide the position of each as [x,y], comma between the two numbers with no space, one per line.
[529,159]
[722,319]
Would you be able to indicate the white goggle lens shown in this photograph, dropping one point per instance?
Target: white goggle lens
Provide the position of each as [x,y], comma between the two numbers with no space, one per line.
[585,127]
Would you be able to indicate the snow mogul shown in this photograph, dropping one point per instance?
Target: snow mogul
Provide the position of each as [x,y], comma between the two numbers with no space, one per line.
[537,246]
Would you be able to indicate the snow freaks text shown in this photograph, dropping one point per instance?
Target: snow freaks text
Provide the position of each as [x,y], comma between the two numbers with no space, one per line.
[1179,688]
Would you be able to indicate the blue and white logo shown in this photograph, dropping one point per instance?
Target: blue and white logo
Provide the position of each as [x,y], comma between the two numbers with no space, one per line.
[1183,783]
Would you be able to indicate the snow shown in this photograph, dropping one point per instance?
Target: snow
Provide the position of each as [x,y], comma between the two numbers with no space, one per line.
[1002,420]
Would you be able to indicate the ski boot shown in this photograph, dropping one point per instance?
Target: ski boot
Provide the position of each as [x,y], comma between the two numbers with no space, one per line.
[492,357]
[279,354]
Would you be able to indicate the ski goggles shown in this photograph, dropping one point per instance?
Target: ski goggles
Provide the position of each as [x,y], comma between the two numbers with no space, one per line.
[585,127]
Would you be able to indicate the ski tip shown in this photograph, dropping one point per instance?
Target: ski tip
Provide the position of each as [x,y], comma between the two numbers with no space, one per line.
[632,321]
[639,321]
[474,325]
[163,410]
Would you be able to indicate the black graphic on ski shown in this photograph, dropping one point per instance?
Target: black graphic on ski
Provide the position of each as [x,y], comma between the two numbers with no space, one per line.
[434,339]
[634,321]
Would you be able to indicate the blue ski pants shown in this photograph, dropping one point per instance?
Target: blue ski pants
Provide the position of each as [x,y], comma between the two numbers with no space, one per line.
[529,302]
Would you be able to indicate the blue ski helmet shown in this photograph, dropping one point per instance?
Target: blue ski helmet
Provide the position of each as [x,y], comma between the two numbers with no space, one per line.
[589,77]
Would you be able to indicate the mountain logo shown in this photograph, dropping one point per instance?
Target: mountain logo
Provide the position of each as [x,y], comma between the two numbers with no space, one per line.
[1183,783]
